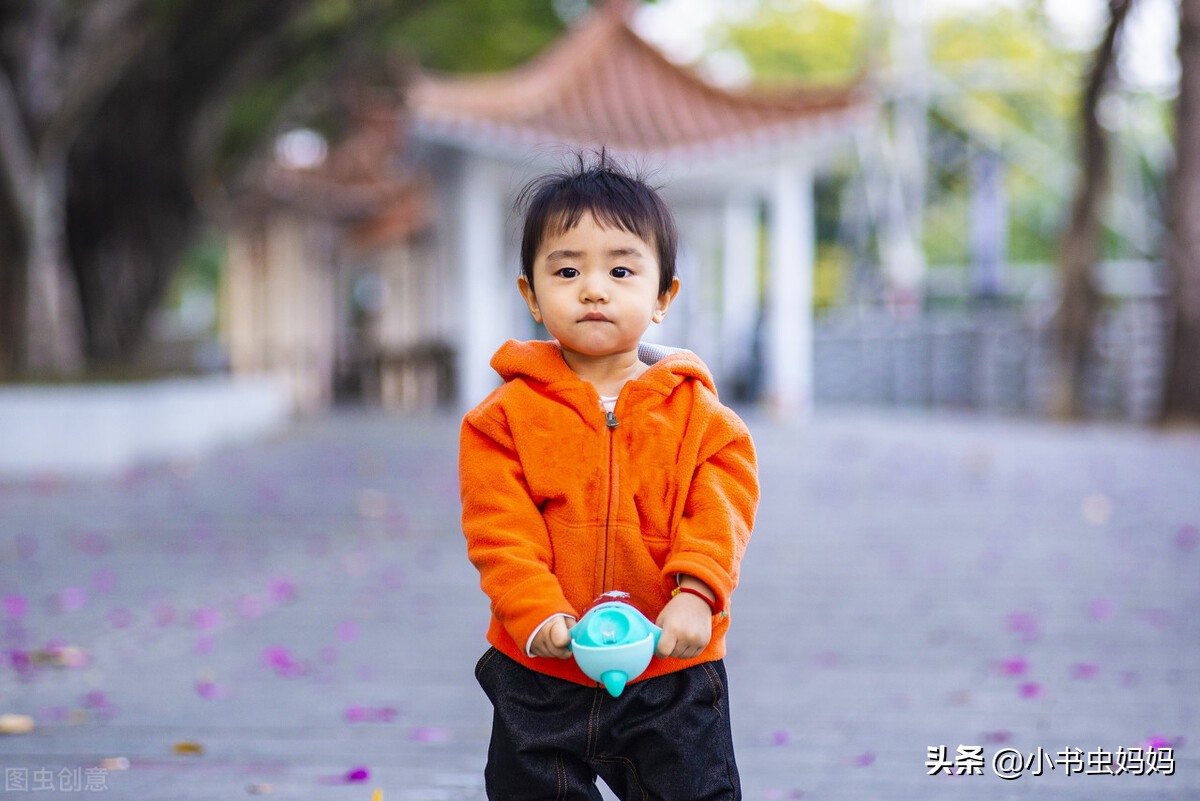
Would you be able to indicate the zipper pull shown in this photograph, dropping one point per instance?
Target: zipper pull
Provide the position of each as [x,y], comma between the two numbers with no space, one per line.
[611,420]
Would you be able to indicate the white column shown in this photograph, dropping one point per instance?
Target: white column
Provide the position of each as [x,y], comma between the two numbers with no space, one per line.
[480,229]
[739,298]
[788,345]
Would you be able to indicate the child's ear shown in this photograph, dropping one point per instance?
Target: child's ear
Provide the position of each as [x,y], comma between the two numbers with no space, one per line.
[526,290]
[664,301]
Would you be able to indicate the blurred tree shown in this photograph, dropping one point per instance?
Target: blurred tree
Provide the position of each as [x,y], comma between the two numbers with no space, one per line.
[1079,297]
[56,63]
[501,33]
[118,118]
[1182,397]
[788,39]
[1005,85]
[1003,82]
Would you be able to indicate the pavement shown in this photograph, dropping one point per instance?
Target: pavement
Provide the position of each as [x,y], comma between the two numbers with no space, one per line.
[297,619]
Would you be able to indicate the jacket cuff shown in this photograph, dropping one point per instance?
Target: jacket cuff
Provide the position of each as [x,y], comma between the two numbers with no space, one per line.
[704,568]
[527,605]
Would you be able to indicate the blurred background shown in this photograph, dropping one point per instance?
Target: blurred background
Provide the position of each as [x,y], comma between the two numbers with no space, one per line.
[942,256]
[929,204]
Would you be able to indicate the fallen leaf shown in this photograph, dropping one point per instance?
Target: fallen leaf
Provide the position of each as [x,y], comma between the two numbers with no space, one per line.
[11,723]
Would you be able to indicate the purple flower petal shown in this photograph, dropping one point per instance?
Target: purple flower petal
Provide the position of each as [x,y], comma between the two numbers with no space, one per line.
[207,619]
[1156,618]
[366,714]
[15,606]
[72,599]
[430,734]
[250,607]
[1101,609]
[104,581]
[96,699]
[280,659]
[164,614]
[347,631]
[1025,625]
[21,662]
[92,544]
[282,590]
[1188,537]
[1031,689]
[780,737]
[827,659]
[1014,667]
[120,618]
[355,775]
[864,759]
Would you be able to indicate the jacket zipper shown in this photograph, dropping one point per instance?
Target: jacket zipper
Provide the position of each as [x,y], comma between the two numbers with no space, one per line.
[606,567]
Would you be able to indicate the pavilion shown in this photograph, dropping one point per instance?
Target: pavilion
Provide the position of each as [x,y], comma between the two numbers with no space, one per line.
[390,266]
[728,161]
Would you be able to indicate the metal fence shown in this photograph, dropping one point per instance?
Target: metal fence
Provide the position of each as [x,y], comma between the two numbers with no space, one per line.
[992,359]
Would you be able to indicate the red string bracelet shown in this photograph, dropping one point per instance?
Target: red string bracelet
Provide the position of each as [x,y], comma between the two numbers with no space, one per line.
[716,610]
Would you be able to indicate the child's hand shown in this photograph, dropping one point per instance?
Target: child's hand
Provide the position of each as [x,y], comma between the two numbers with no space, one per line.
[554,638]
[686,623]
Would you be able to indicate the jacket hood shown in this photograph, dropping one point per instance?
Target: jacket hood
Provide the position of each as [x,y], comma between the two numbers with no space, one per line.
[542,361]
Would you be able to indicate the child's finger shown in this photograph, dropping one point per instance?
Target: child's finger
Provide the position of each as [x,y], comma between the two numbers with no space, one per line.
[666,644]
[560,635]
[560,638]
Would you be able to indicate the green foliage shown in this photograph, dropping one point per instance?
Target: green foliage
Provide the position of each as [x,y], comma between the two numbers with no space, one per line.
[201,264]
[253,113]
[1014,89]
[789,39]
[477,35]
[1004,81]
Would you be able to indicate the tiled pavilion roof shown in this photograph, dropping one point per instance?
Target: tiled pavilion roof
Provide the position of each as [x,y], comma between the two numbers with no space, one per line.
[360,184]
[603,84]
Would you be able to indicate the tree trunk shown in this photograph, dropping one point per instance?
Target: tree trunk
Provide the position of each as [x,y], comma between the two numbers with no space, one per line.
[52,341]
[1182,394]
[56,64]
[137,170]
[42,334]
[12,285]
[130,213]
[1079,303]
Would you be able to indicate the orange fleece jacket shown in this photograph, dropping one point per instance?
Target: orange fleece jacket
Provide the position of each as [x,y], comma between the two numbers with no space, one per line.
[558,507]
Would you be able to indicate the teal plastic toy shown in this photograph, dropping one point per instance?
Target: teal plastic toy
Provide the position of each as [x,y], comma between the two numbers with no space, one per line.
[614,643]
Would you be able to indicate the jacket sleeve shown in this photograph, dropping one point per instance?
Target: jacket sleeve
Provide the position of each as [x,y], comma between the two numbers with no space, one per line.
[507,539]
[718,515]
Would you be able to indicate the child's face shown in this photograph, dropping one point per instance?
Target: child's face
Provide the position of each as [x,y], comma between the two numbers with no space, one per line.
[596,288]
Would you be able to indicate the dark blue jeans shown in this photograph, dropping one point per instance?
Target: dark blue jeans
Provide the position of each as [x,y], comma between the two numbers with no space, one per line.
[664,738]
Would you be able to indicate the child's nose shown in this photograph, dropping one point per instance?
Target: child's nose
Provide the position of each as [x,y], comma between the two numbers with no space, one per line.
[593,290]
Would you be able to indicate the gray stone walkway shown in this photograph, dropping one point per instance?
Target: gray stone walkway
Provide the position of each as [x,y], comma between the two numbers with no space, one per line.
[301,613]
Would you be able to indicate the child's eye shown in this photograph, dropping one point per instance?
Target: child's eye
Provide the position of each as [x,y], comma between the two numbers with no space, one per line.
[621,272]
[567,272]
